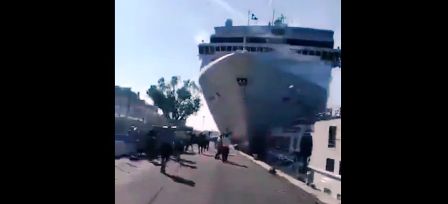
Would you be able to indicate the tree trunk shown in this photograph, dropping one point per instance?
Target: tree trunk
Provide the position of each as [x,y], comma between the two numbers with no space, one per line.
[178,123]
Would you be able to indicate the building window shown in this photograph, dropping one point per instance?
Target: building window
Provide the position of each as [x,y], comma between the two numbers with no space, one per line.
[339,167]
[332,137]
[330,165]
[327,191]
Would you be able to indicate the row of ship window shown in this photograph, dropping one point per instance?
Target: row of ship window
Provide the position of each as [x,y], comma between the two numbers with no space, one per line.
[209,50]
[300,42]
[323,54]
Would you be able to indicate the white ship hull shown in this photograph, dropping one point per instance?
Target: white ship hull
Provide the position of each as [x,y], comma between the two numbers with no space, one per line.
[279,90]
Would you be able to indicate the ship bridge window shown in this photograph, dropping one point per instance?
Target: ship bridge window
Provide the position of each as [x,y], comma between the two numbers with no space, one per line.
[259,49]
[305,52]
[234,48]
[327,56]
[267,49]
[223,48]
[201,50]
[226,40]
[311,52]
[208,50]
[217,49]
[278,31]
[317,53]
[256,40]
[251,49]
[313,43]
[229,48]
[240,47]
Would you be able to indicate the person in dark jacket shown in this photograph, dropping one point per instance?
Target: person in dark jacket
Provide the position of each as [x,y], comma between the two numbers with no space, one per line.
[218,146]
[201,142]
[190,142]
[207,142]
[150,145]
[166,144]
[306,147]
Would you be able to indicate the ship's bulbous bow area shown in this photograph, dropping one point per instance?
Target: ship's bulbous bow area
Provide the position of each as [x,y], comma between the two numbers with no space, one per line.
[249,93]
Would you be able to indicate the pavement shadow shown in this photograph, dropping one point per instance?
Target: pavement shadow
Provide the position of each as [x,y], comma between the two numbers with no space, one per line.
[208,155]
[235,164]
[155,163]
[189,153]
[187,161]
[181,180]
[189,166]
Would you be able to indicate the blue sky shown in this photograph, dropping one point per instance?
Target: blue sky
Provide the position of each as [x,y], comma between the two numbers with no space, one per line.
[155,38]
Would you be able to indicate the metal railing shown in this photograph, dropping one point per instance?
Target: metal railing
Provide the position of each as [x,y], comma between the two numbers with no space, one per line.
[329,114]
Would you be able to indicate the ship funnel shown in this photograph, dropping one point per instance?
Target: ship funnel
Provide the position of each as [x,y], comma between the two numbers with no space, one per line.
[229,23]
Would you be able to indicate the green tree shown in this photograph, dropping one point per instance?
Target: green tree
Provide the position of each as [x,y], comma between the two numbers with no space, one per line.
[177,102]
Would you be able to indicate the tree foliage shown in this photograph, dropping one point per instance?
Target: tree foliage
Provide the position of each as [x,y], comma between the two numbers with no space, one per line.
[177,102]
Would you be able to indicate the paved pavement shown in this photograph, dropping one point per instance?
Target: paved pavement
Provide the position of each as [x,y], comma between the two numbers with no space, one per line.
[201,179]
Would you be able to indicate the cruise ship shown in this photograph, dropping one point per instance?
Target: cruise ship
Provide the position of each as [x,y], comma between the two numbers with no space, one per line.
[256,77]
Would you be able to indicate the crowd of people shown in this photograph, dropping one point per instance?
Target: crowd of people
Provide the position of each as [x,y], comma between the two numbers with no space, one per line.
[166,144]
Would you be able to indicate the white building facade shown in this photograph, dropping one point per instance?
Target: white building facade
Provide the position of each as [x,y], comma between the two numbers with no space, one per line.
[325,161]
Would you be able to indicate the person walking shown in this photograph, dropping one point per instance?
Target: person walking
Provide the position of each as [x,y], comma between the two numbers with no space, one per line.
[218,146]
[207,142]
[150,146]
[306,147]
[225,147]
[178,148]
[201,142]
[190,142]
[166,143]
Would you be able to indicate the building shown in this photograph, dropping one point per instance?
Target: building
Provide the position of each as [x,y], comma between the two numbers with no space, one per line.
[128,104]
[130,112]
[325,162]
